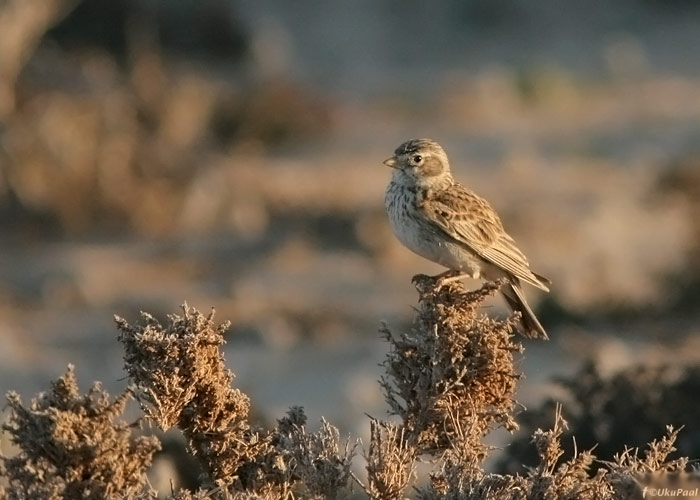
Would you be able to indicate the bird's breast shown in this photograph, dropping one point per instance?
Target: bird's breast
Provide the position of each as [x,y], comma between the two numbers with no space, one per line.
[400,204]
[420,236]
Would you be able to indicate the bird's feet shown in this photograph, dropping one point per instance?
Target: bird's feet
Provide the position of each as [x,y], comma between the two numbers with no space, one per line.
[423,281]
[448,277]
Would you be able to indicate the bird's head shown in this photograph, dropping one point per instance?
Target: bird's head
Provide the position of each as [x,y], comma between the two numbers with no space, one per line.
[420,162]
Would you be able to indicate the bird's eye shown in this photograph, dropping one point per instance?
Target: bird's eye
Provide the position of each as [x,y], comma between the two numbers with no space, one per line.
[417,158]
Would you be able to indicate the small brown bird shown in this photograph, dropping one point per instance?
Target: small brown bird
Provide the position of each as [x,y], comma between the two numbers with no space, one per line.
[439,219]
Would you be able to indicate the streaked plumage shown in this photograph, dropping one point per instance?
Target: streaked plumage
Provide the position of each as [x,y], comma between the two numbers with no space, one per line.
[441,220]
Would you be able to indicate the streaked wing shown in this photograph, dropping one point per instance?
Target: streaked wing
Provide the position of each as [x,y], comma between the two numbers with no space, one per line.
[470,220]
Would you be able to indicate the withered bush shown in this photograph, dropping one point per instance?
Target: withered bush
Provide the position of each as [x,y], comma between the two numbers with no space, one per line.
[452,379]
[600,409]
[103,125]
[449,381]
[181,380]
[74,446]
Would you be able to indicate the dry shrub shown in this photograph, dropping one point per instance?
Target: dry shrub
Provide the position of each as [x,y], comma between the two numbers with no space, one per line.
[450,381]
[319,461]
[104,126]
[390,461]
[181,380]
[551,478]
[75,446]
[600,408]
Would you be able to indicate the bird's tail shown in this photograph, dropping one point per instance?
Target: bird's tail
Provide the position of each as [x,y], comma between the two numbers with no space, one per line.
[529,325]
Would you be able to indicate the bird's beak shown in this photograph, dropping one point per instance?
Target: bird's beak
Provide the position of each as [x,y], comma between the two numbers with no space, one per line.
[390,162]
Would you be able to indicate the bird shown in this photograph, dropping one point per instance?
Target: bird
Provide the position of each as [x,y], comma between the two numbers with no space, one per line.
[439,219]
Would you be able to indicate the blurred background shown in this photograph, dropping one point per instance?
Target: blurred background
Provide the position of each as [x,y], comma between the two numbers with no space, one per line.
[228,153]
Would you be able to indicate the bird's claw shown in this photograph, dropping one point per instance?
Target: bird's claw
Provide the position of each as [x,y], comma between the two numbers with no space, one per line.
[446,277]
[423,282]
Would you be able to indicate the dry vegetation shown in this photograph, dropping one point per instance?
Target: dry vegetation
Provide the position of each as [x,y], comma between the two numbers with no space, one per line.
[128,137]
[181,380]
[450,380]
[74,446]
[600,408]
[140,143]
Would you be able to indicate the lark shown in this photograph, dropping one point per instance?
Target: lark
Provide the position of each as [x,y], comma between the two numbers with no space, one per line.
[439,219]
